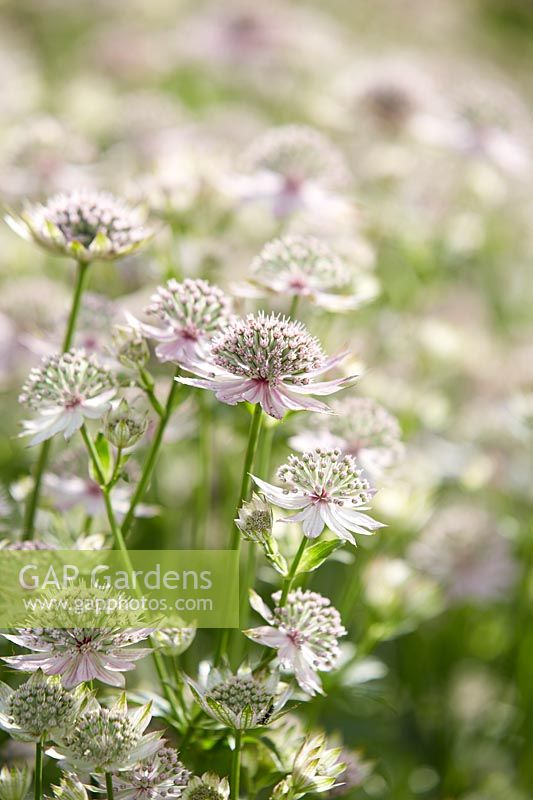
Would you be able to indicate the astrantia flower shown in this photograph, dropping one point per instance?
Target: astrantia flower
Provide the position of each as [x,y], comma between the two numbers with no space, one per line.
[158,777]
[15,782]
[79,654]
[360,427]
[304,266]
[173,641]
[304,631]
[109,739]
[70,491]
[240,701]
[86,225]
[315,769]
[65,390]
[270,360]
[330,491]
[208,787]
[70,788]
[255,522]
[292,168]
[191,312]
[37,709]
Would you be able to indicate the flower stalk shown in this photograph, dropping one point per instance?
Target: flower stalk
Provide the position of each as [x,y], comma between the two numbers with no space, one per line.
[236,766]
[38,778]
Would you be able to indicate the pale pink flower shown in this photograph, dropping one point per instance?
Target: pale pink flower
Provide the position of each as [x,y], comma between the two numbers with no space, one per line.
[161,776]
[328,490]
[65,390]
[67,492]
[191,313]
[270,360]
[304,631]
[79,654]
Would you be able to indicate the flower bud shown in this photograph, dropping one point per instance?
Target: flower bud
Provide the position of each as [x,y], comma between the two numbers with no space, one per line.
[255,520]
[129,346]
[124,425]
[14,783]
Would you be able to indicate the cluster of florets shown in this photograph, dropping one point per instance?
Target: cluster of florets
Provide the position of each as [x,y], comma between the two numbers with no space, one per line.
[160,776]
[193,307]
[267,347]
[326,474]
[240,691]
[41,706]
[102,736]
[65,381]
[300,264]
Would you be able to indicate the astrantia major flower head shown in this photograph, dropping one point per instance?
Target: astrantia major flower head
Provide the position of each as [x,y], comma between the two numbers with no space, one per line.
[328,489]
[240,701]
[38,708]
[293,168]
[255,520]
[86,225]
[158,777]
[207,787]
[360,427]
[15,782]
[65,390]
[270,360]
[80,654]
[191,313]
[109,739]
[315,769]
[305,632]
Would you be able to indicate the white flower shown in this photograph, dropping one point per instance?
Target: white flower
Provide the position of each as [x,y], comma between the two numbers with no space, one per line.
[15,783]
[208,787]
[315,769]
[269,360]
[65,390]
[304,631]
[328,490]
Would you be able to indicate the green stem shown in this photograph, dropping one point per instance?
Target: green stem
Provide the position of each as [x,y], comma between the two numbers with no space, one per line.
[148,388]
[151,459]
[38,779]
[116,468]
[109,785]
[203,490]
[236,767]
[294,306]
[253,438]
[33,500]
[287,584]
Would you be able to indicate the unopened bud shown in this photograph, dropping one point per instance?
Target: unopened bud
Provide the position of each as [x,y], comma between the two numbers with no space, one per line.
[255,520]
[129,347]
[14,783]
[124,425]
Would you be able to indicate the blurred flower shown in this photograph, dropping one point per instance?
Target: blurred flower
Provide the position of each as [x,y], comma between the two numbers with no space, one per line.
[356,771]
[129,346]
[40,708]
[15,783]
[304,631]
[329,489]
[173,641]
[158,777]
[109,739]
[70,788]
[240,701]
[69,491]
[79,655]
[65,390]
[208,787]
[269,360]
[360,427]
[85,225]
[124,425]
[292,168]
[315,769]
[192,313]
[303,266]
[462,549]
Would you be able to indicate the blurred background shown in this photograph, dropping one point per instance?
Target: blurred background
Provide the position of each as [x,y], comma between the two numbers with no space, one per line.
[429,102]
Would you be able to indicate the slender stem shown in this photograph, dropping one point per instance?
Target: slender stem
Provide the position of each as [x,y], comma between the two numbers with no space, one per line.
[253,438]
[116,468]
[236,767]
[109,785]
[38,778]
[151,459]
[294,306]
[33,500]
[287,584]
[148,387]
[203,490]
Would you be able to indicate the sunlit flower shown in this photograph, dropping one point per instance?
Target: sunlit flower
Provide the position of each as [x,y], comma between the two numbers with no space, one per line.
[360,427]
[292,168]
[65,390]
[15,782]
[86,225]
[328,489]
[191,312]
[270,360]
[303,266]
[174,641]
[208,787]
[109,739]
[79,654]
[315,769]
[240,701]
[304,631]
[158,777]
[40,708]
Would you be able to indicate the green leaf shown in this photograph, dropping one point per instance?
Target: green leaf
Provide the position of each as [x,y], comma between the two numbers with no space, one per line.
[315,555]
[105,456]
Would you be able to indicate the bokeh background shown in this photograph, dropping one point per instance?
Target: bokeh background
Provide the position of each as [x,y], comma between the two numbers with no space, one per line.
[429,100]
